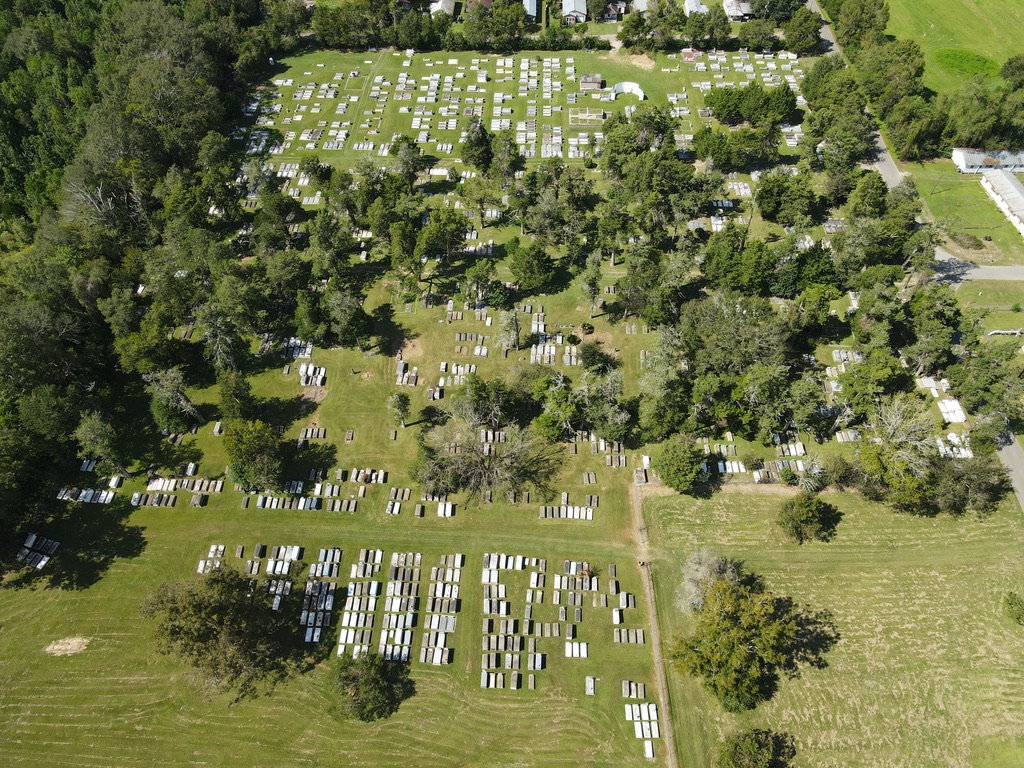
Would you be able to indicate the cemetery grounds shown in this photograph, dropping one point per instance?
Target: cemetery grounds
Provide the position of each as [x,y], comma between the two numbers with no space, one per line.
[922,667]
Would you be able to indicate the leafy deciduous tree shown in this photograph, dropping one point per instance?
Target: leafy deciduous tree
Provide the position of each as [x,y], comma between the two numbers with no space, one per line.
[807,516]
[373,687]
[680,465]
[254,450]
[223,627]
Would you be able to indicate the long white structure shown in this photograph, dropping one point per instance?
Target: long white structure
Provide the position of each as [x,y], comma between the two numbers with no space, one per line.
[979,161]
[1008,193]
[627,87]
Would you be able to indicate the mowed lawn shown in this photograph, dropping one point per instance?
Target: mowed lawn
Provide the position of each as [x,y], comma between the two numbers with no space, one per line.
[959,199]
[989,28]
[999,297]
[119,703]
[928,672]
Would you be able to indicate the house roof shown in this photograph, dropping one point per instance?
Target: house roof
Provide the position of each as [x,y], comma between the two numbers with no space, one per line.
[531,7]
[736,9]
[973,158]
[640,6]
[574,7]
[1009,188]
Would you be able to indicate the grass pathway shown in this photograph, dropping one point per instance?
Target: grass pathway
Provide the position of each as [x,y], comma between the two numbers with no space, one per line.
[640,537]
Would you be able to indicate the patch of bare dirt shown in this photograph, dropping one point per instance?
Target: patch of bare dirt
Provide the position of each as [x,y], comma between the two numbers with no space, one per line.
[775,489]
[314,394]
[412,350]
[68,646]
[366,375]
[641,60]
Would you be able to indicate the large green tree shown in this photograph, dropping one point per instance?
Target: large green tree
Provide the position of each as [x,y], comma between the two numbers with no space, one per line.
[531,266]
[477,149]
[223,628]
[371,686]
[680,465]
[803,31]
[745,637]
[99,438]
[255,452]
[806,516]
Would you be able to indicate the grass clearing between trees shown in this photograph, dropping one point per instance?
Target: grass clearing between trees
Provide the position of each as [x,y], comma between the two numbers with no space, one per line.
[927,671]
[986,28]
[960,199]
[998,297]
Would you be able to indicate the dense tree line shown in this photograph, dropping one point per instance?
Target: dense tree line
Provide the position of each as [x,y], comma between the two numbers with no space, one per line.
[665,26]
[112,125]
[502,26]
[919,123]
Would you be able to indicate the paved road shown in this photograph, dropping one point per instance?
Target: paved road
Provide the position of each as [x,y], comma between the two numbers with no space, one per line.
[1012,457]
[826,30]
[952,271]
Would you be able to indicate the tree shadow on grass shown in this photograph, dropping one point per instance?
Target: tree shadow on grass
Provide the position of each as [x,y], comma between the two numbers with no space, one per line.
[311,456]
[816,635]
[159,453]
[829,520]
[281,411]
[392,334]
[92,537]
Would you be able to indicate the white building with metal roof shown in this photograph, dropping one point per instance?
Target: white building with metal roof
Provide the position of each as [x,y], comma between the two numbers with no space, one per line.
[737,10]
[979,160]
[1008,193]
[574,11]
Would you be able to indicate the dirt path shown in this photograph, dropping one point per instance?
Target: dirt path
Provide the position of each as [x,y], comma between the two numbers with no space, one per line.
[640,535]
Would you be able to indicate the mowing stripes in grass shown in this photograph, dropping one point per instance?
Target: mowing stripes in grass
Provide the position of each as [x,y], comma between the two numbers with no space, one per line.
[966,63]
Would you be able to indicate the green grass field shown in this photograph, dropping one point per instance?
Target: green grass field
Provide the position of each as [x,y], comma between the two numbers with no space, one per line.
[119,703]
[999,298]
[958,197]
[927,672]
[988,29]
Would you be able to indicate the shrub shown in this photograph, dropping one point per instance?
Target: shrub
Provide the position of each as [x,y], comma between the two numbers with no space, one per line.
[1013,604]
[805,516]
[680,464]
